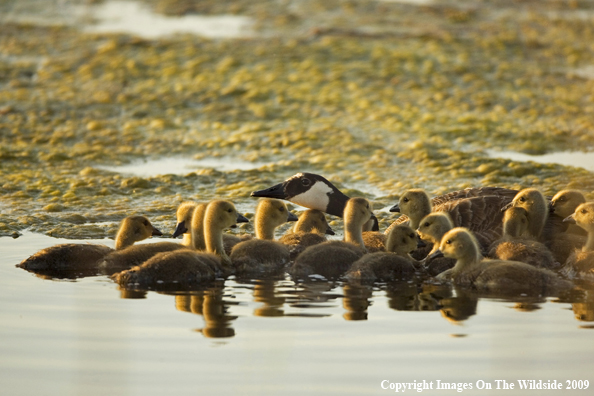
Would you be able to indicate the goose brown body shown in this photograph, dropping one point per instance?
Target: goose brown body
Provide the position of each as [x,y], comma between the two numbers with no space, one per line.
[494,276]
[64,259]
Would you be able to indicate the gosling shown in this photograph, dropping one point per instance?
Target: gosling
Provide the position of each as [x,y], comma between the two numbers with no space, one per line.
[581,262]
[431,229]
[309,230]
[497,276]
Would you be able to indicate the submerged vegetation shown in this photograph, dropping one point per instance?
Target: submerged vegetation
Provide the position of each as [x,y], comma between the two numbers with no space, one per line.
[371,94]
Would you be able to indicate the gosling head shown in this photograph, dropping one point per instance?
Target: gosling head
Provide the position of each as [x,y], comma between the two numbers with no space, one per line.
[565,202]
[460,244]
[313,220]
[134,229]
[414,203]
[434,226]
[537,207]
[401,240]
[184,218]
[515,222]
[270,214]
[583,216]
[357,211]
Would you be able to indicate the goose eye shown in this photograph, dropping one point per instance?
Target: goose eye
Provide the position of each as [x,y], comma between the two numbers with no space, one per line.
[305,182]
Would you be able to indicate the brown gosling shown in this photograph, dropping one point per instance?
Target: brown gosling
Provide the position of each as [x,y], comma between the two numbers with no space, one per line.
[184,214]
[61,259]
[566,237]
[395,264]
[333,258]
[498,276]
[186,268]
[308,231]
[537,208]
[581,262]
[263,255]
[514,247]
[431,229]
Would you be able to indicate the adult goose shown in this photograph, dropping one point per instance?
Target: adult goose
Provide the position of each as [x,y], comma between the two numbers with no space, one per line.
[314,192]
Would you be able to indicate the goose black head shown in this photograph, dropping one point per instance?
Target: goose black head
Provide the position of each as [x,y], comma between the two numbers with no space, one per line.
[309,190]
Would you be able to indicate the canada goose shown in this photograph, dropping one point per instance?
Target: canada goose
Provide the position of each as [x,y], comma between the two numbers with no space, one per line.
[135,255]
[536,207]
[486,275]
[311,191]
[263,255]
[431,229]
[333,258]
[308,231]
[566,237]
[184,214]
[187,268]
[64,259]
[581,263]
[513,247]
[395,264]
[477,209]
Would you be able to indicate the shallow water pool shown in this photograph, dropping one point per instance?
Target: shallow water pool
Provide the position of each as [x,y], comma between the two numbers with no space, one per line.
[273,337]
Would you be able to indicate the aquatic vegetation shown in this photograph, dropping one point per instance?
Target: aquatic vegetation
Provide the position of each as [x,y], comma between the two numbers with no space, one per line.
[392,104]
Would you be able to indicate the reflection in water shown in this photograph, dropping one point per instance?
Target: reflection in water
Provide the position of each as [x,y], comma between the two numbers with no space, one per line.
[459,308]
[272,304]
[356,300]
[132,294]
[211,305]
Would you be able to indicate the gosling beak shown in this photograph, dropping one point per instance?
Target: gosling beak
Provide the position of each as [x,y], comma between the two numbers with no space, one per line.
[276,191]
[420,242]
[242,219]
[506,207]
[395,208]
[570,219]
[330,231]
[375,226]
[292,217]
[551,208]
[436,254]
[156,232]
[180,229]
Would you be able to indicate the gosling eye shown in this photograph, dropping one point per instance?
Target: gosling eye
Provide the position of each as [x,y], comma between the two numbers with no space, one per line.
[584,211]
[561,199]
[230,210]
[448,242]
[405,199]
[305,182]
[412,235]
[522,199]
[145,222]
[281,209]
[426,224]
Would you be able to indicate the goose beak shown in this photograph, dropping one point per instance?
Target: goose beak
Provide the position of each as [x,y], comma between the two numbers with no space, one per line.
[292,217]
[436,254]
[277,191]
[242,219]
[180,229]
[330,231]
[570,219]
[156,232]
[506,207]
[420,242]
[395,208]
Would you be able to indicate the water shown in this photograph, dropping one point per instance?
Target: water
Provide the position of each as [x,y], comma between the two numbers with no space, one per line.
[579,159]
[136,18]
[274,337]
[181,166]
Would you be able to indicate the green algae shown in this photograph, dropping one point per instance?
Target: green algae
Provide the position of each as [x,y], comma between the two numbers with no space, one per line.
[391,105]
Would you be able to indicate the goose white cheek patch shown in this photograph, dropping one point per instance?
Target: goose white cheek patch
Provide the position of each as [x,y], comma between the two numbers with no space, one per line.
[316,197]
